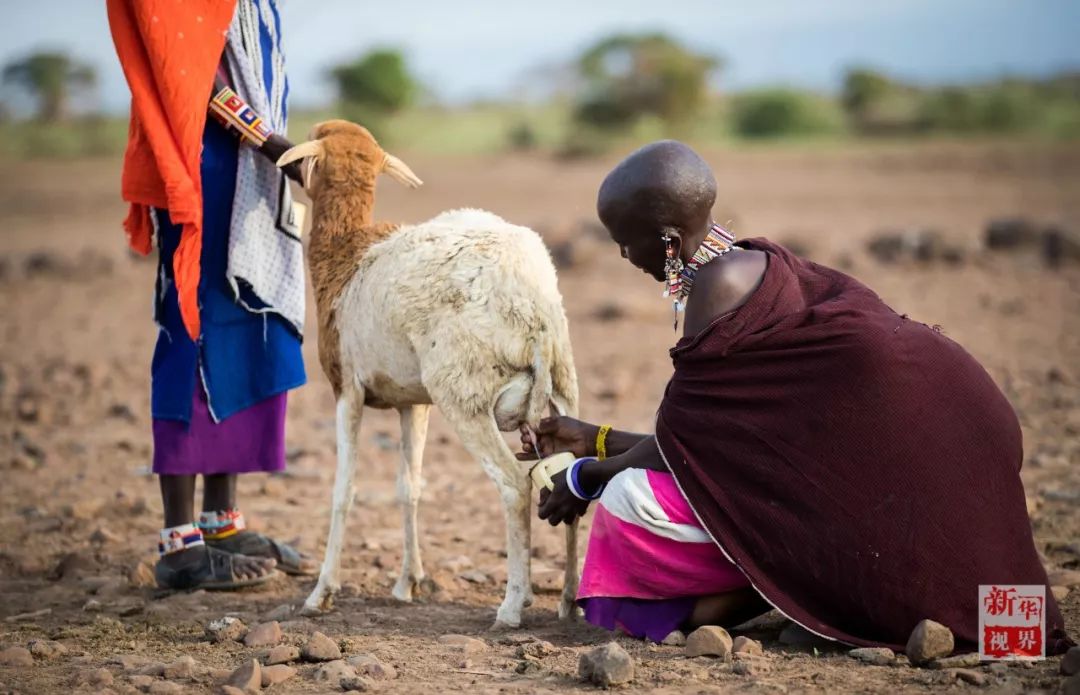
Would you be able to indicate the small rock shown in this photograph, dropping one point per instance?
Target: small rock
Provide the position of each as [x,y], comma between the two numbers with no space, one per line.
[141,682]
[675,638]
[142,575]
[225,629]
[46,649]
[877,656]
[368,665]
[901,661]
[536,650]
[475,577]
[968,676]
[98,678]
[102,535]
[282,654]
[606,666]
[92,606]
[748,667]
[263,635]
[184,667]
[247,677]
[958,661]
[278,673]
[166,688]
[929,640]
[1059,593]
[16,656]
[282,612]
[334,671]
[1070,663]
[463,643]
[1010,233]
[155,669]
[709,640]
[528,668]
[358,684]
[456,564]
[745,645]
[1062,577]
[319,647]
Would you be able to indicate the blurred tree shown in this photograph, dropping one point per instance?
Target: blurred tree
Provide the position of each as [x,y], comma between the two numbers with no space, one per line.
[628,76]
[777,112]
[51,78]
[863,90]
[379,81]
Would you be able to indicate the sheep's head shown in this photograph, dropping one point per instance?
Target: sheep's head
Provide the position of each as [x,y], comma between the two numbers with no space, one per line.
[345,152]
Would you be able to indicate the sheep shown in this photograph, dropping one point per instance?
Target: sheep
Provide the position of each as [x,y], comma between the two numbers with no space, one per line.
[462,312]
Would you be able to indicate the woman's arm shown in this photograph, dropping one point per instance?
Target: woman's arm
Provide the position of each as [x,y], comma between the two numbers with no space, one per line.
[579,438]
[272,147]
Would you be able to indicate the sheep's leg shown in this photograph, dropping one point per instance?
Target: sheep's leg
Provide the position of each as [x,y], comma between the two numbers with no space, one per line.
[414,424]
[482,438]
[567,604]
[349,410]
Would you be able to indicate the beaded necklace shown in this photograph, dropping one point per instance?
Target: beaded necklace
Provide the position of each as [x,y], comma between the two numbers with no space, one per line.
[717,242]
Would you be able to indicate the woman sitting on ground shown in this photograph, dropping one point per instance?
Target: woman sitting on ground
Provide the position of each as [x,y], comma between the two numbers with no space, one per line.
[814,450]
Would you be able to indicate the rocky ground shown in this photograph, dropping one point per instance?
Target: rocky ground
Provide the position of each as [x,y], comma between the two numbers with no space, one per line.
[79,511]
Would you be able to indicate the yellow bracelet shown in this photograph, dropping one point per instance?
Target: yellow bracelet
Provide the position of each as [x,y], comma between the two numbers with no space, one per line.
[601,442]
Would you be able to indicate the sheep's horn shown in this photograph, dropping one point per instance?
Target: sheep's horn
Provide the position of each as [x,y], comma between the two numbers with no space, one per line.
[400,172]
[312,150]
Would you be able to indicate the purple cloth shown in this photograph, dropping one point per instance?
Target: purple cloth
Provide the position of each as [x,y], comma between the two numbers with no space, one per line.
[652,619]
[249,441]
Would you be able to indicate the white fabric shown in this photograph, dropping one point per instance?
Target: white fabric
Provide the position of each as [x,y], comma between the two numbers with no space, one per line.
[264,239]
[629,497]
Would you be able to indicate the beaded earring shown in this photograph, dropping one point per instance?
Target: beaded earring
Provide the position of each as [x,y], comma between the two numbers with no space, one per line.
[673,268]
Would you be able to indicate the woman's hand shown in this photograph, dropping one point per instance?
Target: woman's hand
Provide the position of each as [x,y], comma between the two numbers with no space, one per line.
[273,148]
[557,434]
[559,505]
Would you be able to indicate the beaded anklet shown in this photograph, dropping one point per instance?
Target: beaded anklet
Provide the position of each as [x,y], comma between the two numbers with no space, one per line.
[234,113]
[221,524]
[178,538]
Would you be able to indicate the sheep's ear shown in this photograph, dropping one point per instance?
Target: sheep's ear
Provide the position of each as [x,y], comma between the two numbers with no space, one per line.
[311,150]
[400,172]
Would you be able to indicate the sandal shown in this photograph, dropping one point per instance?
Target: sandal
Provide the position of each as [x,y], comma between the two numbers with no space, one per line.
[214,574]
[289,559]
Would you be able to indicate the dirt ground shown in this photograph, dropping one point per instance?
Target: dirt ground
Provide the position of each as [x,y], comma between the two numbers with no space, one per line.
[79,511]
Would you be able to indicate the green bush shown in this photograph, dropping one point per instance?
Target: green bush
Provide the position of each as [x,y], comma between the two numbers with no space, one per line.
[784,112]
[379,81]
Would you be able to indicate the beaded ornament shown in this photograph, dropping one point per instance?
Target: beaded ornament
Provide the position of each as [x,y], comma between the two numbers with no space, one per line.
[680,276]
[234,113]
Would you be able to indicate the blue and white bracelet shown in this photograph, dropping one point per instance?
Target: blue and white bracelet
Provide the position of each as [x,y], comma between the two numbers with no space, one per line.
[572,482]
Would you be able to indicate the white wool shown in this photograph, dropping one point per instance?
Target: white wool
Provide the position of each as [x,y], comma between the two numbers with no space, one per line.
[464,312]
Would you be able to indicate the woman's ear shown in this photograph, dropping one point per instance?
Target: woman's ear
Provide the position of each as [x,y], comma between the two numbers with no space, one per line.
[672,239]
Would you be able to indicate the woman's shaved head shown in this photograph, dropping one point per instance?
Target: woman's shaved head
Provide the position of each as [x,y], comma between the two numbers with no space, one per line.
[662,187]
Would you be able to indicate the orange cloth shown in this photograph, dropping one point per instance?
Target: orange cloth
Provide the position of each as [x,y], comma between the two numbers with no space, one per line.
[169,52]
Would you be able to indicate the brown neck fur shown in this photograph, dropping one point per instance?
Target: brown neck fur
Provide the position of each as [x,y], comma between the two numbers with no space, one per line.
[342,231]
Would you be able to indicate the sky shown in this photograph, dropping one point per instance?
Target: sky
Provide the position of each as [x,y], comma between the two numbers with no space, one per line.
[491,49]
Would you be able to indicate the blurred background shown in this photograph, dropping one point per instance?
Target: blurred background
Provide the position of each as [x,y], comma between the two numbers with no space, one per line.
[930,149]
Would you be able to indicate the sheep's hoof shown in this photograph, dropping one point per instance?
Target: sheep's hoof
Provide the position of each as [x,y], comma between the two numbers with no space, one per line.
[568,610]
[505,626]
[407,588]
[321,601]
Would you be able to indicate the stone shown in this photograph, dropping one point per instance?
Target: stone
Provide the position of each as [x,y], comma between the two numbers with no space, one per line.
[606,666]
[184,667]
[98,678]
[166,688]
[929,640]
[709,640]
[226,629]
[748,667]
[357,684]
[282,612]
[1059,593]
[334,671]
[958,661]
[46,649]
[319,647]
[876,656]
[247,677]
[263,635]
[463,643]
[278,673]
[16,656]
[675,638]
[1011,233]
[154,668]
[745,645]
[536,650]
[92,606]
[282,654]
[1070,663]
[370,666]
[102,535]
[456,564]
[967,675]
[142,576]
[1062,577]
[475,577]
[142,682]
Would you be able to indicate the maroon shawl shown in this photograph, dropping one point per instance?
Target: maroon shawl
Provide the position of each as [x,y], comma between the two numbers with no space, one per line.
[861,468]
